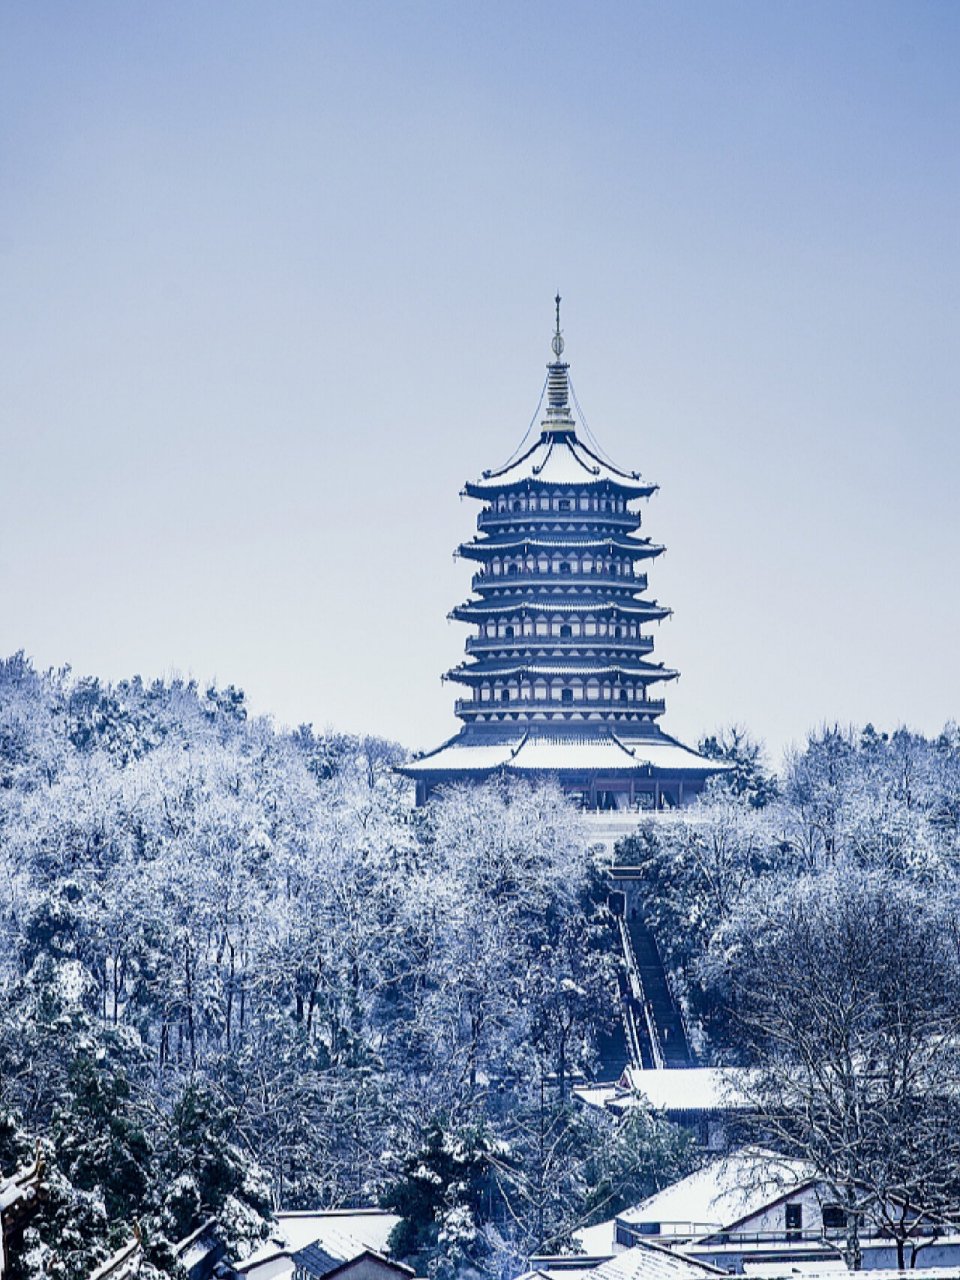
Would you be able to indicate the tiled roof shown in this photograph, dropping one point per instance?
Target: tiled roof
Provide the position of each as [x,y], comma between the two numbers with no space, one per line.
[559,459]
[544,753]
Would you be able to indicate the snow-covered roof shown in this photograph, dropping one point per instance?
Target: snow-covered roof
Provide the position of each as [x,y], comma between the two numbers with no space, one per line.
[543,753]
[703,1089]
[721,1194]
[559,457]
[344,1233]
[648,1261]
[693,1089]
[644,1261]
[599,1239]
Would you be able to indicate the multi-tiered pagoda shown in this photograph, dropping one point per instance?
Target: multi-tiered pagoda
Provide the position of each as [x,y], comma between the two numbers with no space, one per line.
[559,676]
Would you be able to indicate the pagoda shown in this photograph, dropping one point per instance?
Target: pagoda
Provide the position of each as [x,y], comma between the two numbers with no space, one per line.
[559,676]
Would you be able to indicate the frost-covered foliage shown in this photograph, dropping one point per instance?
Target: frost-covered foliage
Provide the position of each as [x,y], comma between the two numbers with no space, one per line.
[866,800]
[239,972]
[816,937]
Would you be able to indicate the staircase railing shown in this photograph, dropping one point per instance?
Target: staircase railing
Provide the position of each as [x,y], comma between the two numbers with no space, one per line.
[677,1004]
[639,995]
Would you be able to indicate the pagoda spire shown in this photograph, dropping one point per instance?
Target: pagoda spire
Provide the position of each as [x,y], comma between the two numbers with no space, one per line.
[559,420]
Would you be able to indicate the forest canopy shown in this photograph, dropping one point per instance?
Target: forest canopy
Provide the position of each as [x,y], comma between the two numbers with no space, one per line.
[241,972]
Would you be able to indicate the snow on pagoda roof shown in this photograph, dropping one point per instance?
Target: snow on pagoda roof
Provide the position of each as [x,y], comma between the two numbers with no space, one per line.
[560,541]
[586,667]
[559,458]
[531,753]
[572,603]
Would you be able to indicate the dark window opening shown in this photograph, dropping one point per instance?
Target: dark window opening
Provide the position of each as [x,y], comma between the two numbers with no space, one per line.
[566,632]
[794,1221]
[566,695]
[834,1217]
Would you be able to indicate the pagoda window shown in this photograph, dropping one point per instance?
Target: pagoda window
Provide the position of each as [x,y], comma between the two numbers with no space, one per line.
[543,564]
[508,633]
[544,502]
[584,502]
[491,628]
[566,695]
[566,631]
[542,627]
[593,690]
[485,693]
[565,567]
[504,695]
[622,695]
[514,570]
[587,564]
[527,627]
[540,691]
[590,627]
[607,691]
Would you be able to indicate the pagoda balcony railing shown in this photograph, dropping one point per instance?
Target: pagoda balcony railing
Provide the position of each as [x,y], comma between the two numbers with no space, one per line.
[530,520]
[630,581]
[547,644]
[648,707]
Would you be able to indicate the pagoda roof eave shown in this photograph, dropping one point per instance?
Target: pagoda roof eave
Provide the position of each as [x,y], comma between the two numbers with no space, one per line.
[650,672]
[485,489]
[531,753]
[637,549]
[559,459]
[483,608]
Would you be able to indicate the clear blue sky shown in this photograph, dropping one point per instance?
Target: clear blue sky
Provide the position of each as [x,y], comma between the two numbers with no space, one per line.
[275,279]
